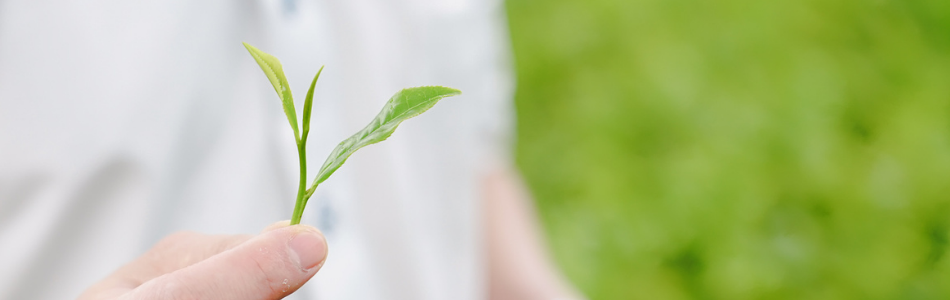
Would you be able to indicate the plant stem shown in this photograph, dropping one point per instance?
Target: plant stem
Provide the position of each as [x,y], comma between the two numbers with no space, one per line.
[302,189]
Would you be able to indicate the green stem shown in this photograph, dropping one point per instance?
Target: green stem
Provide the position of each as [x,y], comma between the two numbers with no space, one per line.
[302,189]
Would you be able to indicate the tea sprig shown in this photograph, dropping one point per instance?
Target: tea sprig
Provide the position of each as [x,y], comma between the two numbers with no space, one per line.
[405,104]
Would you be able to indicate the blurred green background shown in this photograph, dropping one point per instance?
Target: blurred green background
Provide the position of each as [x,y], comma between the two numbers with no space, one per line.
[739,149]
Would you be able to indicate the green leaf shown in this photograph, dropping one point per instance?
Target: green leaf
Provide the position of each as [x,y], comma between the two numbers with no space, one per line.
[405,104]
[275,73]
[308,106]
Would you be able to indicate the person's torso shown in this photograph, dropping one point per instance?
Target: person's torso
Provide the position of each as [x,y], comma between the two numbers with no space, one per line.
[122,122]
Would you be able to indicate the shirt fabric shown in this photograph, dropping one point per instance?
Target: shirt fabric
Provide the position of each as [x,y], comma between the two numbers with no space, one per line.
[124,121]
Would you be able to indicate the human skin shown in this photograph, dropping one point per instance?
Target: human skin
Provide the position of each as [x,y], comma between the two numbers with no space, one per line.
[519,266]
[190,265]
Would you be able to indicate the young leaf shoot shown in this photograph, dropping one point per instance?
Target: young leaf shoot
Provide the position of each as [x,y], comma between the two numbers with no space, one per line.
[403,105]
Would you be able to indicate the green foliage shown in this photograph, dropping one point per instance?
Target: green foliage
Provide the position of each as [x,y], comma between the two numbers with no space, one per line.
[275,74]
[405,104]
[739,149]
[308,106]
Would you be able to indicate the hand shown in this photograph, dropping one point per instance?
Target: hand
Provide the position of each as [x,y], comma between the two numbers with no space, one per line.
[190,265]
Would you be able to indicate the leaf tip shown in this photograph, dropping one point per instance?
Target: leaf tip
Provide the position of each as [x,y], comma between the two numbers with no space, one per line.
[443,90]
[453,92]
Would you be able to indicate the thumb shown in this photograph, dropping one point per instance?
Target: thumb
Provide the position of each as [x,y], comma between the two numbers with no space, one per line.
[271,265]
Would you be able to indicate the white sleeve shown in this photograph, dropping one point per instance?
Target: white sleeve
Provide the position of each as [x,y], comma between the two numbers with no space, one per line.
[497,115]
[493,94]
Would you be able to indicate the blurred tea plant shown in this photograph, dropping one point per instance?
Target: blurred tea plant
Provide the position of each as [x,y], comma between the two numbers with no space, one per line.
[739,149]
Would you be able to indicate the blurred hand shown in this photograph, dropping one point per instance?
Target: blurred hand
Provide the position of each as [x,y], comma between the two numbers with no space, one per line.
[190,265]
[519,266]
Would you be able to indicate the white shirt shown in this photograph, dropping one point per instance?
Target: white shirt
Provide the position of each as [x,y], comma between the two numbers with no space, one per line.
[121,122]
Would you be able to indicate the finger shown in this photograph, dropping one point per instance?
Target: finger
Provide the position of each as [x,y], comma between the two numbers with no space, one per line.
[269,266]
[172,253]
[276,225]
[178,251]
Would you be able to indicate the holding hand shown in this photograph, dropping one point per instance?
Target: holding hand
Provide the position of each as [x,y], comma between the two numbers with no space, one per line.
[190,265]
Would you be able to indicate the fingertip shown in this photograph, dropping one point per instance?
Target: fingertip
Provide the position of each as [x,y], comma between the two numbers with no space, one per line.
[304,227]
[276,225]
[310,247]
